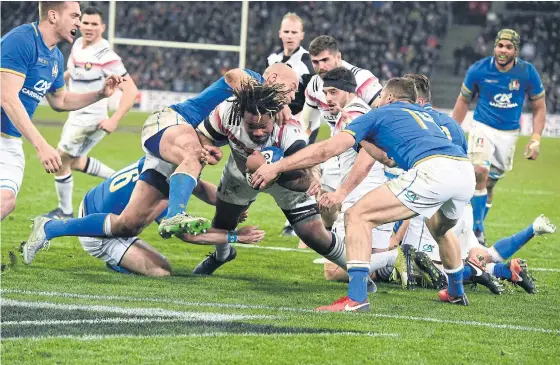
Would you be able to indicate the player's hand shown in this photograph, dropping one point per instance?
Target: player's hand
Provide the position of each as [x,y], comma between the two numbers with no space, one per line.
[314,188]
[264,176]
[211,154]
[50,159]
[284,115]
[532,149]
[249,234]
[111,84]
[328,200]
[243,217]
[108,125]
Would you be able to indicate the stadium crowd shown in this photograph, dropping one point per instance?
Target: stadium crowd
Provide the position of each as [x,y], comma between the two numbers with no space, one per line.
[406,36]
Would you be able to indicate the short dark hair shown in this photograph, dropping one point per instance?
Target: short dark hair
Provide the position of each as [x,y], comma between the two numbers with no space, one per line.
[340,78]
[257,100]
[92,10]
[323,43]
[46,6]
[422,84]
[402,88]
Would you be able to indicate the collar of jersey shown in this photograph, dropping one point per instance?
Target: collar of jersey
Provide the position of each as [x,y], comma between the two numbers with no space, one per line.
[515,62]
[35,26]
[428,106]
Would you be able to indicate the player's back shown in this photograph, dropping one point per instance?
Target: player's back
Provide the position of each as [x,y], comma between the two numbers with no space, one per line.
[113,195]
[195,109]
[25,54]
[406,132]
[449,126]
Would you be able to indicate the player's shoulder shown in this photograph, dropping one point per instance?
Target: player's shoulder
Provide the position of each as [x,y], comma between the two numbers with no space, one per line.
[482,65]
[525,65]
[103,52]
[361,74]
[22,33]
[315,85]
[357,105]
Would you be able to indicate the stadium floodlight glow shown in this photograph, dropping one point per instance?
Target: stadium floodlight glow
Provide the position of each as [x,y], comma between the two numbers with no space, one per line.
[241,48]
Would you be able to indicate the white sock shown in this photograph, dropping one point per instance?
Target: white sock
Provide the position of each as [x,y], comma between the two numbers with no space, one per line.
[380,260]
[94,167]
[337,253]
[64,188]
[222,251]
[490,268]
[495,255]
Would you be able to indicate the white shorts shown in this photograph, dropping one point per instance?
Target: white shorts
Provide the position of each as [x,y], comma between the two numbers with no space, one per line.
[419,237]
[330,174]
[380,236]
[439,183]
[12,164]
[156,123]
[234,189]
[110,250]
[492,148]
[78,139]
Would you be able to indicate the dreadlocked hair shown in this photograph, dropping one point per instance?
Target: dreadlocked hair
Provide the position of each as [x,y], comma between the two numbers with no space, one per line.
[257,100]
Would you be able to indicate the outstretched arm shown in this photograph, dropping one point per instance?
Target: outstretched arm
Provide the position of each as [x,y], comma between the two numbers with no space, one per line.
[215,236]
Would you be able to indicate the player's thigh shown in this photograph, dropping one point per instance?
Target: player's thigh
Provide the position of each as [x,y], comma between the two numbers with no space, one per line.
[502,160]
[378,207]
[142,258]
[78,140]
[227,214]
[12,165]
[481,144]
[145,205]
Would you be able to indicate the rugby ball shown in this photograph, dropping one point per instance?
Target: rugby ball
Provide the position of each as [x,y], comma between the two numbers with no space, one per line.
[267,155]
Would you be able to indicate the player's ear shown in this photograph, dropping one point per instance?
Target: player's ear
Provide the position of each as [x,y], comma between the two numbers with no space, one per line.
[52,16]
[103,28]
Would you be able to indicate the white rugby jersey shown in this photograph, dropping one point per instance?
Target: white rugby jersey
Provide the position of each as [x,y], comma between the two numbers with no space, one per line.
[299,61]
[355,108]
[218,129]
[368,88]
[88,69]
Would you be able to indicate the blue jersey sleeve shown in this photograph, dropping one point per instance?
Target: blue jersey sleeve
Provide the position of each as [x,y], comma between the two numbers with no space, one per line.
[59,81]
[470,83]
[360,127]
[18,51]
[535,88]
[257,76]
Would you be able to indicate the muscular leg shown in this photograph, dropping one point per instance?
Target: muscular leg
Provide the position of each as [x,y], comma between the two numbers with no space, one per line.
[7,202]
[64,184]
[143,259]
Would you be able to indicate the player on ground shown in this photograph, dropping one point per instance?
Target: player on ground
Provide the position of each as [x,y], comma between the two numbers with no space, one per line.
[438,184]
[33,67]
[360,173]
[247,123]
[501,81]
[167,134]
[91,60]
[131,253]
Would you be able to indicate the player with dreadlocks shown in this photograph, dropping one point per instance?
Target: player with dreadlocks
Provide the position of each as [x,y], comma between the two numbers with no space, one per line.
[247,122]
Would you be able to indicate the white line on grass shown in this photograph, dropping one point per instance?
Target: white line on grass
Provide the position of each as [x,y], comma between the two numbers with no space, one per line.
[290,309]
[206,334]
[54,322]
[147,312]
[543,269]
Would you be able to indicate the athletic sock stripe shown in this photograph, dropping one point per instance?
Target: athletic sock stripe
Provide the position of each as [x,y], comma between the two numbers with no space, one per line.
[86,166]
[64,179]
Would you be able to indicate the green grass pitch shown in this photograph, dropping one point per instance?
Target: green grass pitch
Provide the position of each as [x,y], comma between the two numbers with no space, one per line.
[66,308]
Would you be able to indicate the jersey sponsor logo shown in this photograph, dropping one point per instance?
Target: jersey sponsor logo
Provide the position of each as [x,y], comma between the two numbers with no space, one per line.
[101,53]
[55,69]
[411,196]
[43,61]
[427,248]
[503,101]
[40,89]
[514,85]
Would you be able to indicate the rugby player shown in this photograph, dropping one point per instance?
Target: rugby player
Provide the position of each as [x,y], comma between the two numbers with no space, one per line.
[33,68]
[437,184]
[90,61]
[501,81]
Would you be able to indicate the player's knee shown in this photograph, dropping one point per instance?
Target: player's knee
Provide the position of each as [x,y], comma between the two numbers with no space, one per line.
[126,227]
[157,271]
[481,174]
[355,216]
[8,203]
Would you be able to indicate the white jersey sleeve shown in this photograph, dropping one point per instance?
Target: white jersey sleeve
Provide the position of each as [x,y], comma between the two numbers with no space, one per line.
[112,63]
[291,137]
[314,86]
[213,126]
[369,87]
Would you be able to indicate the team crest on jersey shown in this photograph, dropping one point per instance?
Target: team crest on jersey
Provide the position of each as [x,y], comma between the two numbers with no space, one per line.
[480,142]
[514,85]
[55,69]
[88,66]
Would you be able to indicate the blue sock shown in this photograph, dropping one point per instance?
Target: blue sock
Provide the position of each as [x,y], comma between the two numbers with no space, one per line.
[455,283]
[357,287]
[181,186]
[506,247]
[478,203]
[92,225]
[501,271]
[467,273]
[486,209]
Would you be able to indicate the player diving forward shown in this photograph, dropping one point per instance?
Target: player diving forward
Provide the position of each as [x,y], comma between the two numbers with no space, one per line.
[132,253]
[438,184]
[33,68]
[171,144]
[248,124]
